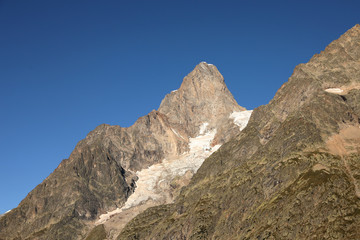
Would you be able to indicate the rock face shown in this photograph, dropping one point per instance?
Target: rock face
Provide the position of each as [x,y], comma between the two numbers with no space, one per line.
[292,173]
[102,171]
[202,97]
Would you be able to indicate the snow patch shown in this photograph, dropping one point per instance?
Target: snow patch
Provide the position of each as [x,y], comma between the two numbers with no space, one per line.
[241,119]
[148,184]
[334,90]
[209,64]
[203,128]
[1,215]
[149,178]
[104,217]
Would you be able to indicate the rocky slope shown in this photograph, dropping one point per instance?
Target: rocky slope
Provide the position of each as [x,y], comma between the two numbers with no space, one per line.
[103,170]
[292,173]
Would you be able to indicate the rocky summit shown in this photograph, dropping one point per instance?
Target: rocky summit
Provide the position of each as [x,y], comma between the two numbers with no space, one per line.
[292,173]
[116,173]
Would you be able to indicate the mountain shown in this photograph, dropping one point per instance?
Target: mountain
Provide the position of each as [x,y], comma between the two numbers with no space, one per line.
[292,173]
[116,173]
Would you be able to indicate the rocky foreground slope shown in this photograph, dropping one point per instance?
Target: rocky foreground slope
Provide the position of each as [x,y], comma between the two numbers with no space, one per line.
[97,183]
[292,173]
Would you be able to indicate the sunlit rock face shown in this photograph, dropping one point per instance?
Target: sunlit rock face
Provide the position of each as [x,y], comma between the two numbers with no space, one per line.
[292,173]
[115,173]
[202,97]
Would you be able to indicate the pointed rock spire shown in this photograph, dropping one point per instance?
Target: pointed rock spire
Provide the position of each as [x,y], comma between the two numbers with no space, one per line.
[204,69]
[202,97]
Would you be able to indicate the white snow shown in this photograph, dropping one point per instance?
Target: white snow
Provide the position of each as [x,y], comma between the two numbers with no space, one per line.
[334,90]
[203,128]
[104,217]
[148,185]
[241,119]
[207,63]
[177,134]
[1,215]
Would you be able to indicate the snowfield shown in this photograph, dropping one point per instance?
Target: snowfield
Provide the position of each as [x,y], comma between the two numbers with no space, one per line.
[148,186]
[151,181]
[241,118]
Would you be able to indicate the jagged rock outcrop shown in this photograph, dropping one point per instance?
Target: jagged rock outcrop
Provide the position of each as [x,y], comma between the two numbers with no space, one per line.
[292,173]
[202,97]
[100,174]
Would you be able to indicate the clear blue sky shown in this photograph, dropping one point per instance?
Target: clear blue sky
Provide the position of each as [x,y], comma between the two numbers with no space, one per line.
[68,66]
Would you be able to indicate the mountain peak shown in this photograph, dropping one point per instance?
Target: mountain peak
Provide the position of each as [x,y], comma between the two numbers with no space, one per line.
[202,79]
[205,71]
[204,66]
[203,95]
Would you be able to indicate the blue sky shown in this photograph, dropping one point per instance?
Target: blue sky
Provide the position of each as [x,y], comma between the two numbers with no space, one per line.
[68,66]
